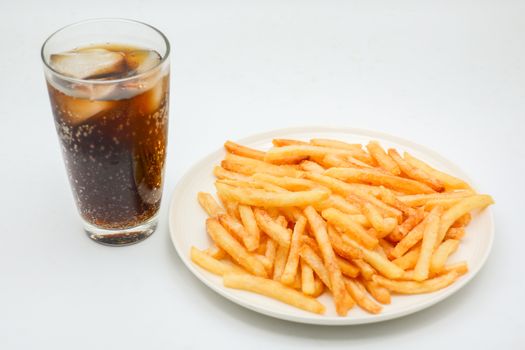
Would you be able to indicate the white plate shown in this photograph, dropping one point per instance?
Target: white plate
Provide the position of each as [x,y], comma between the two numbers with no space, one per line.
[187,227]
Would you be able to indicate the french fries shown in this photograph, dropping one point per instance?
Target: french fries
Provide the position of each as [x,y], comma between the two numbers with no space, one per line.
[450,182]
[350,227]
[416,173]
[224,240]
[358,293]
[318,226]
[211,264]
[309,216]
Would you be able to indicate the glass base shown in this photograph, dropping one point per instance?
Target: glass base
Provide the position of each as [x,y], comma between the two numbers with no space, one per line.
[123,237]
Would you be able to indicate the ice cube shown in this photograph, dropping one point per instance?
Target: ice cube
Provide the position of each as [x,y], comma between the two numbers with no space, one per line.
[142,60]
[89,64]
[95,91]
[78,110]
[149,100]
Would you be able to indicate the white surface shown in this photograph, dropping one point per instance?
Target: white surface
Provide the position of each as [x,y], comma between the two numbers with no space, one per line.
[187,229]
[446,74]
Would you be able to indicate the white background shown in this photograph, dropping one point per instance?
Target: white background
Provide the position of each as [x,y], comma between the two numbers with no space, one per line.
[446,74]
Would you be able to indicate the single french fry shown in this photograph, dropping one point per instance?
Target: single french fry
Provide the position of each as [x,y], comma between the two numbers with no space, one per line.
[374,177]
[260,185]
[253,233]
[287,142]
[275,154]
[347,268]
[380,293]
[409,260]
[385,162]
[455,233]
[243,151]
[288,183]
[465,206]
[416,200]
[412,287]
[256,197]
[357,291]
[209,204]
[450,182]
[223,239]
[440,256]
[307,279]
[271,251]
[336,144]
[416,173]
[365,269]
[353,229]
[274,290]
[280,262]
[316,263]
[224,174]
[211,264]
[380,263]
[444,203]
[430,232]
[290,269]
[249,166]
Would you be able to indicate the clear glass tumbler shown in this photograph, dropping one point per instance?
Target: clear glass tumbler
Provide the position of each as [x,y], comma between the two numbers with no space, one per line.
[108,83]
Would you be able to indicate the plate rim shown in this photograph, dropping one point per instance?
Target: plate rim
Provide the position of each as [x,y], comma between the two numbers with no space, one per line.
[321,319]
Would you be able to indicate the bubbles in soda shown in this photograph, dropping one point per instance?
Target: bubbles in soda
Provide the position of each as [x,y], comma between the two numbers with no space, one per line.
[113,130]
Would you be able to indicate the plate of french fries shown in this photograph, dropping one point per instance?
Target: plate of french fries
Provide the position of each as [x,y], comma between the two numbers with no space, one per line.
[330,226]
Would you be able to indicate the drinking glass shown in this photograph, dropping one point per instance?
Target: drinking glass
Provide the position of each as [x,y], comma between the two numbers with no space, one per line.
[108,84]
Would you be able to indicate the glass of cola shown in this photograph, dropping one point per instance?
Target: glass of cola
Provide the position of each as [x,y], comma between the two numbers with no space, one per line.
[108,84]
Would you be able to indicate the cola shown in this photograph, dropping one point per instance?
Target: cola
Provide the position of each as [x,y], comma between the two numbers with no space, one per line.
[110,106]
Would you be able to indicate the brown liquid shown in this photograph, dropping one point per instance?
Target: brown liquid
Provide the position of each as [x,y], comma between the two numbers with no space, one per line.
[115,157]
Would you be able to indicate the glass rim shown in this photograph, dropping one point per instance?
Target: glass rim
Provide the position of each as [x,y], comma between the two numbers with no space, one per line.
[110,81]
